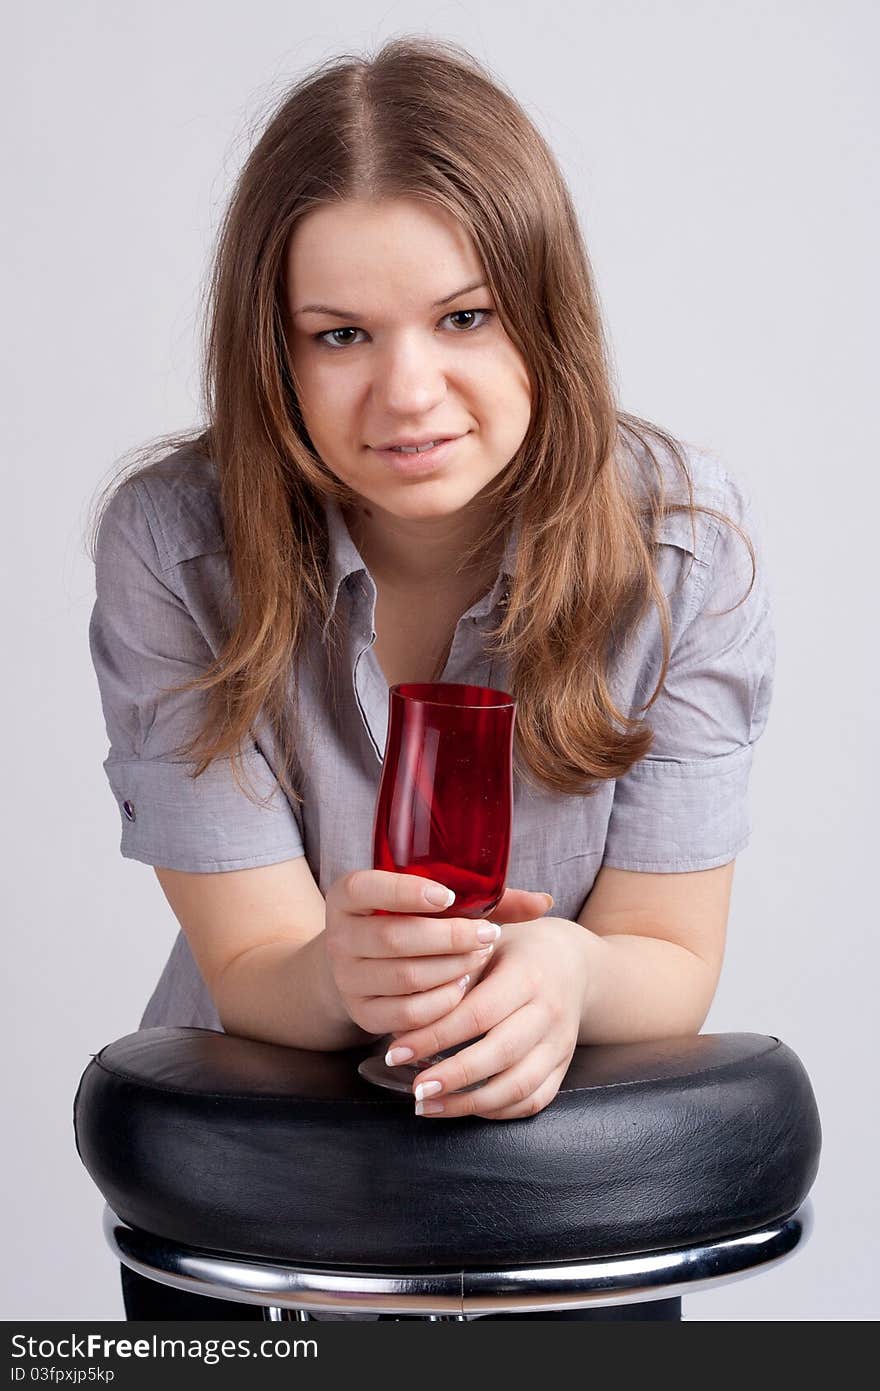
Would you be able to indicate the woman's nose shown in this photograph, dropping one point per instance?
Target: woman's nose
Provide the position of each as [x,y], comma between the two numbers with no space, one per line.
[410,379]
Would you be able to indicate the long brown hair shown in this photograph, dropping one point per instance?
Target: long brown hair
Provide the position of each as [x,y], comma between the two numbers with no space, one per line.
[425,119]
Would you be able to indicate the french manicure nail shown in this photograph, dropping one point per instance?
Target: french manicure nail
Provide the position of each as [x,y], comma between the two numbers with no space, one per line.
[489,932]
[395,1056]
[441,897]
[428,1089]
[429,1108]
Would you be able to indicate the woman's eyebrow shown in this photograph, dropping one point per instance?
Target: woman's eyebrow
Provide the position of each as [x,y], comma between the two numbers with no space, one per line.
[353,314]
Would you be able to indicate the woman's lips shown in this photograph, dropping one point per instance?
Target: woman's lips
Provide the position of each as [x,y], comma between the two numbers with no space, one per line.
[424,462]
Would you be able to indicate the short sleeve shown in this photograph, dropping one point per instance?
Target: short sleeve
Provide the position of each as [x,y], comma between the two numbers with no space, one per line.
[142,637]
[685,805]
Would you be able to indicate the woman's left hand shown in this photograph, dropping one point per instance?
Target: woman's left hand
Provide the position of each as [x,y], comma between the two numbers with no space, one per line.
[528,1003]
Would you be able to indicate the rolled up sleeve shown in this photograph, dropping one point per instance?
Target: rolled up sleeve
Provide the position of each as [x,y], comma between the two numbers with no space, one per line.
[143,638]
[685,805]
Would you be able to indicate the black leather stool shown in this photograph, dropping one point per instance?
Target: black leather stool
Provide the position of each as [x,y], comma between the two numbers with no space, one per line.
[278,1177]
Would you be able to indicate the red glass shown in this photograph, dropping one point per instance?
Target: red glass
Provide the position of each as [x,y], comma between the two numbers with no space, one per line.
[444,809]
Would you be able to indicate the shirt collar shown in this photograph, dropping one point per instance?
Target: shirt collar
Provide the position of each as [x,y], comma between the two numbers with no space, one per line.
[346,559]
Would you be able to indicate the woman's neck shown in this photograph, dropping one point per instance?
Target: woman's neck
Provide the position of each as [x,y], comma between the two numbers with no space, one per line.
[423,555]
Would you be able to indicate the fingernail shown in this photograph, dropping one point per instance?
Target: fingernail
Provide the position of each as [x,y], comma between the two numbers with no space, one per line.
[550,901]
[429,1108]
[489,932]
[428,1089]
[440,897]
[394,1056]
[463,982]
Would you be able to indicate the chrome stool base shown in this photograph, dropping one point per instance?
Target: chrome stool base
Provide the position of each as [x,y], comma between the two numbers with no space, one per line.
[292,1292]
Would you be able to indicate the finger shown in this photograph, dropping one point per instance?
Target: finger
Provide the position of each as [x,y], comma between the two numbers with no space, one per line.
[480,962]
[404,975]
[364,891]
[398,936]
[521,905]
[492,999]
[514,1038]
[521,1091]
[399,1014]
[531,1105]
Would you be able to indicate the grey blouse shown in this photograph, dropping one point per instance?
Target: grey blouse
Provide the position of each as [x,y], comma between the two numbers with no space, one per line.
[163,586]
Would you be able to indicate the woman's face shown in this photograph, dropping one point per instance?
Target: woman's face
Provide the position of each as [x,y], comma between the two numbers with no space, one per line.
[401,352]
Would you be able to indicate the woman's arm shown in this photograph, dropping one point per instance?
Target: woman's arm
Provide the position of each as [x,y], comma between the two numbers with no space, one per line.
[257,936]
[654,948]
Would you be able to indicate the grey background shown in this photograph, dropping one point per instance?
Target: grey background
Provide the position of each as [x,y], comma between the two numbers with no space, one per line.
[719,157]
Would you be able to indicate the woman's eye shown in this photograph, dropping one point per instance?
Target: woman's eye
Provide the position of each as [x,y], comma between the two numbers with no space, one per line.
[331,333]
[330,339]
[486,313]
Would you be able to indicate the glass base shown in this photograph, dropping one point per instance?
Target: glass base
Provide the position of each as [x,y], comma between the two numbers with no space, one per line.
[401,1078]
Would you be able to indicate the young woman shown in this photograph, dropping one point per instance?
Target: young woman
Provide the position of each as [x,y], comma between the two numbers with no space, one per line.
[401,264]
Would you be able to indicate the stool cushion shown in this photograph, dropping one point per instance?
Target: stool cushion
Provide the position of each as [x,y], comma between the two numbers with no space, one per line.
[250,1148]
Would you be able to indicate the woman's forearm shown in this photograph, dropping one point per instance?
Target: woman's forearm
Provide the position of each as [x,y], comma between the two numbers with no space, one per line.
[284,993]
[641,988]
[637,988]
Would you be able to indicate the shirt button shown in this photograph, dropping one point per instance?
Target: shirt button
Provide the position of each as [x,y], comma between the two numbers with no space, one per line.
[128,808]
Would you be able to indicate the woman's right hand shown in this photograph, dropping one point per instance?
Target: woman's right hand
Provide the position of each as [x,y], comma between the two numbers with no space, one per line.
[401,972]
